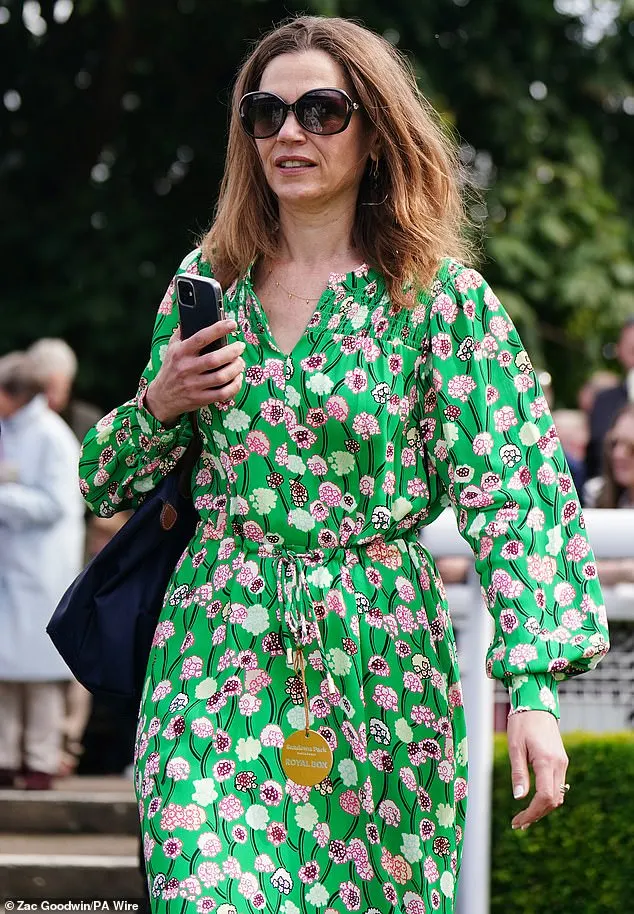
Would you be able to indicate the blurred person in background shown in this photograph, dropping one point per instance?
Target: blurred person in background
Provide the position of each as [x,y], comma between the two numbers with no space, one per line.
[337,240]
[41,547]
[56,364]
[593,386]
[615,488]
[453,569]
[572,428]
[608,402]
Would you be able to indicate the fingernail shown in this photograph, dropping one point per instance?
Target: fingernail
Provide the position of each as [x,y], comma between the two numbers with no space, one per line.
[524,827]
[518,791]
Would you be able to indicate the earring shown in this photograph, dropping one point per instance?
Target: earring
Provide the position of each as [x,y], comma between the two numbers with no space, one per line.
[374,184]
[374,174]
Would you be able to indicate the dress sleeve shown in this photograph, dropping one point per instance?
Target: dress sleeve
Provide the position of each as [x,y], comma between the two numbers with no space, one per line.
[127,453]
[494,446]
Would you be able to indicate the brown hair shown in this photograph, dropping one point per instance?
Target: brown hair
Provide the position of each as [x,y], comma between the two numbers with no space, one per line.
[610,492]
[422,218]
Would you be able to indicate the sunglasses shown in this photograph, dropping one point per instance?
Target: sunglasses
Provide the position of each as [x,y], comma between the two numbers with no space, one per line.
[321,111]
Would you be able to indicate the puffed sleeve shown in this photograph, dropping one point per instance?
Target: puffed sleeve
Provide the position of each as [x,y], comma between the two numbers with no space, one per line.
[127,453]
[493,443]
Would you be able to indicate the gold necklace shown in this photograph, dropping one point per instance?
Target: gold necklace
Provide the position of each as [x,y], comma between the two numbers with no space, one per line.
[292,294]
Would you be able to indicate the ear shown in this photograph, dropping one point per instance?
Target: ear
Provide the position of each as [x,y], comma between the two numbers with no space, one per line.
[373,144]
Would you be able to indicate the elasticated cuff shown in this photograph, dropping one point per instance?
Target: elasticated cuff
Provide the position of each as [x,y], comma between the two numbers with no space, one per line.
[534,692]
[160,438]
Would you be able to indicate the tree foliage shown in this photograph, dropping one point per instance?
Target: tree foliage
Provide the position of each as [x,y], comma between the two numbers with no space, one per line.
[114,128]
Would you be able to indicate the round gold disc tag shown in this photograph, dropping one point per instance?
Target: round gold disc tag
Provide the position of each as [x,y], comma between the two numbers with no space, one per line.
[306,758]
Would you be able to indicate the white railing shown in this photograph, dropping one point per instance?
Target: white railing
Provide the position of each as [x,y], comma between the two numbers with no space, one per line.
[611,534]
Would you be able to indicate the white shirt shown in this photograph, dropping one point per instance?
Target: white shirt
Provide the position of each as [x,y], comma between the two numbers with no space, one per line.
[41,538]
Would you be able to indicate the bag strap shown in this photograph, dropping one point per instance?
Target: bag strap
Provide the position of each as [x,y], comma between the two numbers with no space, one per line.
[190,458]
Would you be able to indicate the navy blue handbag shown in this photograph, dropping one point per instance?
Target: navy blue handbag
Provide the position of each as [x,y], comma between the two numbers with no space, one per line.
[104,624]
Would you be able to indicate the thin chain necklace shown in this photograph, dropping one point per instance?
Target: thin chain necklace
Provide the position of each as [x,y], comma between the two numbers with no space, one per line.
[290,294]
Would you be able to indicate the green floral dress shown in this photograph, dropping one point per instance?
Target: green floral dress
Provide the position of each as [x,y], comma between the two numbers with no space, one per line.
[312,489]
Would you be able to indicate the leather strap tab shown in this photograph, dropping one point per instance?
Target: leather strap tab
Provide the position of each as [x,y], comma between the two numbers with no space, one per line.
[169,516]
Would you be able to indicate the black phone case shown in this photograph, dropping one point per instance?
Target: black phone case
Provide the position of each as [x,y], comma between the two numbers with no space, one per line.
[205,310]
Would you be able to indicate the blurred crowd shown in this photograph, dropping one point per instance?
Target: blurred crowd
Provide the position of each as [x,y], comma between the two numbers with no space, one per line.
[50,726]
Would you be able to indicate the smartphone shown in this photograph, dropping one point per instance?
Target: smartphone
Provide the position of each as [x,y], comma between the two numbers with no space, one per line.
[199,305]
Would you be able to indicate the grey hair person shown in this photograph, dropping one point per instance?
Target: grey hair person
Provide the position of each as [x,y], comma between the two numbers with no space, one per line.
[56,364]
[19,377]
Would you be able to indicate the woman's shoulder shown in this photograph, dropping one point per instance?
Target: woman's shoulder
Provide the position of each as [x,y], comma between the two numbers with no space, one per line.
[460,288]
[195,263]
[445,296]
[457,277]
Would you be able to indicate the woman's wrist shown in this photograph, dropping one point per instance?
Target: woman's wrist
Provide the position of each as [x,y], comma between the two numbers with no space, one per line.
[533,692]
[154,408]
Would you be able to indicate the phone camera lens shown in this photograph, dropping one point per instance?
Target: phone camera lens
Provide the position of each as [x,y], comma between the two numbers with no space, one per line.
[186,292]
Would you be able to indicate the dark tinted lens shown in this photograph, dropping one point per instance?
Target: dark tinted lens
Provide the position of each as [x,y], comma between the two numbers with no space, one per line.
[263,114]
[323,111]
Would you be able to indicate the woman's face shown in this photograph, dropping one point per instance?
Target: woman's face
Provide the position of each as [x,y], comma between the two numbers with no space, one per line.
[622,451]
[331,166]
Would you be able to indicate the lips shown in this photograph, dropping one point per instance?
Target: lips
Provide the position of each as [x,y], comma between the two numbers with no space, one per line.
[289,163]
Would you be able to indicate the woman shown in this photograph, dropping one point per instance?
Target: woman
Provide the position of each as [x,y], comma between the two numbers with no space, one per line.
[615,488]
[372,381]
[617,485]
[41,543]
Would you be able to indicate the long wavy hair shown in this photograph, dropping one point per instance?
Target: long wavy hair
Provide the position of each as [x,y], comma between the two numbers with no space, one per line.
[422,218]
[611,493]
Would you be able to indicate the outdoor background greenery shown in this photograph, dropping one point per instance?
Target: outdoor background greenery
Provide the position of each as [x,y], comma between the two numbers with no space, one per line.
[579,858]
[113,131]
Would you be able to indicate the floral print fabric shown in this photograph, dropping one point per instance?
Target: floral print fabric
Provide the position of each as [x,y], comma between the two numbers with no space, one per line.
[312,488]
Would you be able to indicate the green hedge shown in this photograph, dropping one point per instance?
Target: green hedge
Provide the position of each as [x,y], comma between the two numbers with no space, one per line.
[579,859]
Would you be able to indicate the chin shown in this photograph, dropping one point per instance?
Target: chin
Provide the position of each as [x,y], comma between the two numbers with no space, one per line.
[293,195]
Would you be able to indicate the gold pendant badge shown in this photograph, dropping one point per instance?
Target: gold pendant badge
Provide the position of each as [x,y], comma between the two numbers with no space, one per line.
[306,756]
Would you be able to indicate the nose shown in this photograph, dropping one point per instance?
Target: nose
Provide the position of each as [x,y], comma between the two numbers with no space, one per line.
[291,129]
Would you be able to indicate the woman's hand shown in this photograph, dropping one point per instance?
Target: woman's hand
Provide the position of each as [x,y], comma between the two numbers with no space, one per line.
[534,738]
[188,380]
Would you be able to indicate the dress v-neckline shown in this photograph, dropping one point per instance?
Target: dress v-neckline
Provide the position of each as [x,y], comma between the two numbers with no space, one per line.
[328,295]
